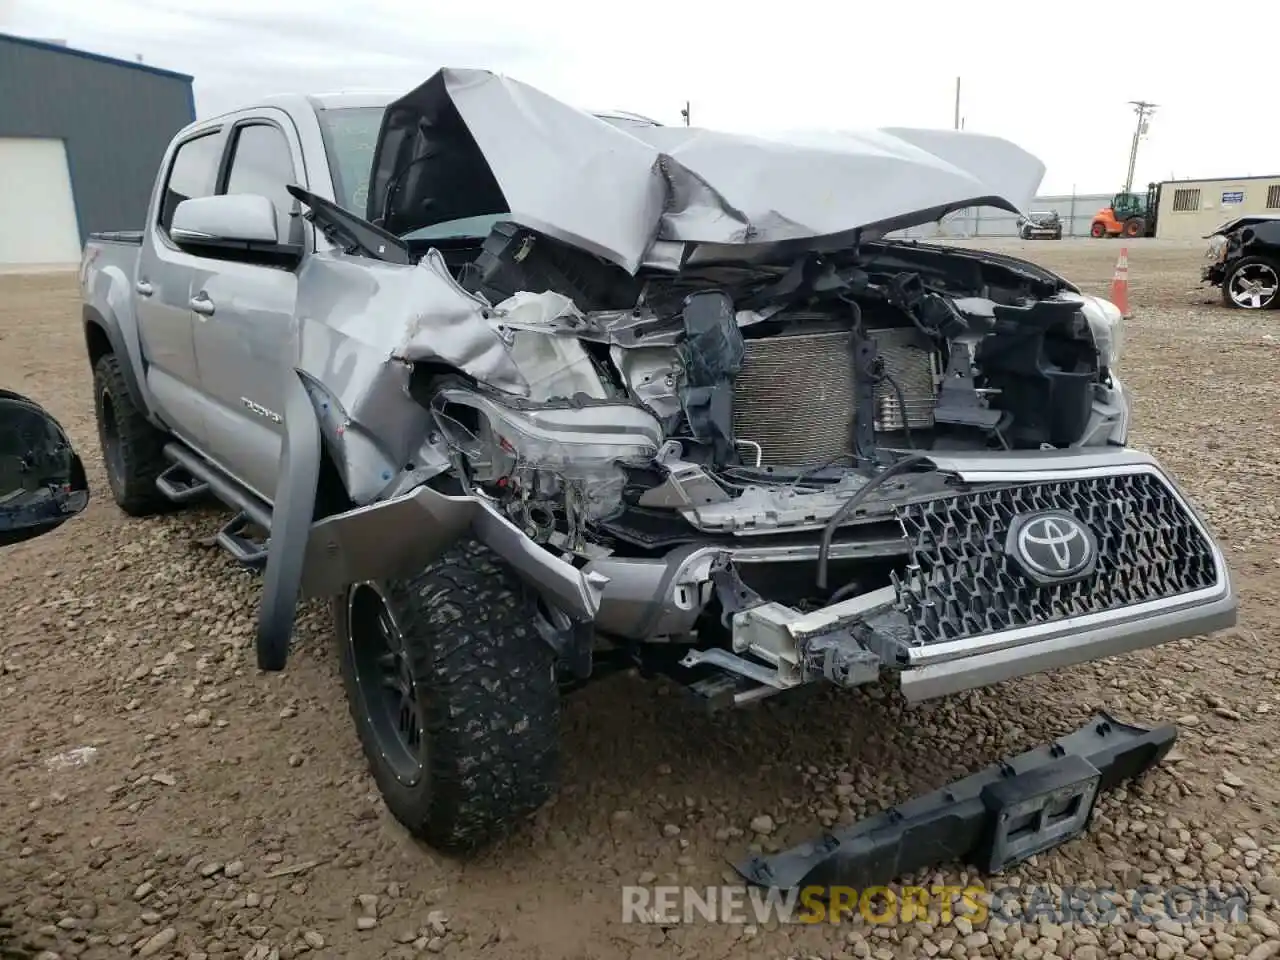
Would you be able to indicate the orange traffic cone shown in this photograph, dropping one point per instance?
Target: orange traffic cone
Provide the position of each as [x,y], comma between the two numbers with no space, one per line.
[1120,283]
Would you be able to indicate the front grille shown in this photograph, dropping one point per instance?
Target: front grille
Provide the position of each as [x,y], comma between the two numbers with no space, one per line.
[794,397]
[961,584]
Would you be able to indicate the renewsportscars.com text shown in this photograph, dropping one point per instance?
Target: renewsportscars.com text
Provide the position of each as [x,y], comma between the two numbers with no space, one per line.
[669,905]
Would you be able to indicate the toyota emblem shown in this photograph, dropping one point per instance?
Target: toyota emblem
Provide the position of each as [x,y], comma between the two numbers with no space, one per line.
[1052,546]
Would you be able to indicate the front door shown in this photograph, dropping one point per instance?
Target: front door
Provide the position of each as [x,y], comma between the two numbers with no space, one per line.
[243,312]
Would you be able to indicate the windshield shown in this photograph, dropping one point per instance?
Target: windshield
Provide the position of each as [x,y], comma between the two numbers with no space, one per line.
[1127,204]
[467,227]
[350,135]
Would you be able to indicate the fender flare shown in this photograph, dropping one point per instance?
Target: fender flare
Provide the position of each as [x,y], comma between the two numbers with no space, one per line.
[292,514]
[92,317]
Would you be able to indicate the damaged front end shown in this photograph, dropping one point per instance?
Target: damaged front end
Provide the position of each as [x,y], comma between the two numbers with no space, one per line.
[769,475]
[749,460]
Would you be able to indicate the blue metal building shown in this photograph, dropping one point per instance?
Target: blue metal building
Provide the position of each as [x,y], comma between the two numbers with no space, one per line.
[81,137]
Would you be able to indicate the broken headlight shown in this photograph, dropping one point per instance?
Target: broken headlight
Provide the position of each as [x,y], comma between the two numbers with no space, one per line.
[1106,323]
[546,453]
[1217,249]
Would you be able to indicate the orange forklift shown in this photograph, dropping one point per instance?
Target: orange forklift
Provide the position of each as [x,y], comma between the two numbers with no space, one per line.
[1129,215]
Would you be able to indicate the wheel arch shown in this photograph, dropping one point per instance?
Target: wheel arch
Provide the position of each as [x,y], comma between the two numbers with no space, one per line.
[101,337]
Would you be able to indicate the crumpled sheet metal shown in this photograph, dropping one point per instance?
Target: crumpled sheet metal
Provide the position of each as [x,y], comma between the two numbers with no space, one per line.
[615,191]
[380,312]
[363,324]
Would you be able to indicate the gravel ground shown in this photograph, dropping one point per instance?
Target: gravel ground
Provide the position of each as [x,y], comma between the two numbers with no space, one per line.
[162,798]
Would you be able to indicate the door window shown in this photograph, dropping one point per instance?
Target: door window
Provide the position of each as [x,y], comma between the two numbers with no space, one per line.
[262,163]
[195,166]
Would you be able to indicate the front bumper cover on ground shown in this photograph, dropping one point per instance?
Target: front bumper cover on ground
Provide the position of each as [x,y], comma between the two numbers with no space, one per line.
[993,819]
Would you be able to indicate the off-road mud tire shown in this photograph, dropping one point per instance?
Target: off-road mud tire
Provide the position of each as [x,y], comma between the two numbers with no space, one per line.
[132,448]
[487,697]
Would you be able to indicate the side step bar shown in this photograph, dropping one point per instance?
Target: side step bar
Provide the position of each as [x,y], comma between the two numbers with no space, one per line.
[191,477]
[993,819]
[179,486]
[217,483]
[246,550]
[288,527]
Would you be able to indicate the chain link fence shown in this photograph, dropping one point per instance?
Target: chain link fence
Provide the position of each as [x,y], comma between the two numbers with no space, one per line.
[1075,210]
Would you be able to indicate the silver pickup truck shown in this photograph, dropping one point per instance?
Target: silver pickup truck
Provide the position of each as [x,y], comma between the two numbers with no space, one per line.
[534,393]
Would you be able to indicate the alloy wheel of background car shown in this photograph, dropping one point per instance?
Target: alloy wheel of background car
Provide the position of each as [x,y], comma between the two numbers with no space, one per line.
[1253,285]
[1097,231]
[385,680]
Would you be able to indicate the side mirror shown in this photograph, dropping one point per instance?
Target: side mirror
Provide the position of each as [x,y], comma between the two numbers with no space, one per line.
[42,481]
[231,226]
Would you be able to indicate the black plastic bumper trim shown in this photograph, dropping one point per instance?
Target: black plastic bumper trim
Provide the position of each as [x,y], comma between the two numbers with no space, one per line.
[993,819]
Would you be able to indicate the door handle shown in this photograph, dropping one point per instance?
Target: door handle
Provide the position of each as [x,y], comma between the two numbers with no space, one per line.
[201,304]
[143,288]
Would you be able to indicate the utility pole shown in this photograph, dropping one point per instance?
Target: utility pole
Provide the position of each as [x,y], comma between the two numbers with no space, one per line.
[957,103]
[1144,111]
[685,113]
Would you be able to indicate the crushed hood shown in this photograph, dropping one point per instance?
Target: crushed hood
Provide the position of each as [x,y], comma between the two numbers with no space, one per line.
[1230,225]
[469,143]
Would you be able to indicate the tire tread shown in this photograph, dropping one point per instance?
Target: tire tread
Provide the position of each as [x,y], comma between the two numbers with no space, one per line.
[490,702]
[141,444]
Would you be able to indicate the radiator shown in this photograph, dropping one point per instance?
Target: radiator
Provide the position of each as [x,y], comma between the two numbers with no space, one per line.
[909,358]
[794,396]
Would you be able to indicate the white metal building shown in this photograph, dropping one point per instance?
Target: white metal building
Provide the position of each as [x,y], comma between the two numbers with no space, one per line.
[1194,208]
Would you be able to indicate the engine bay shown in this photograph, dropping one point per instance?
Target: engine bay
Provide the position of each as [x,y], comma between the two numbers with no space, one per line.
[754,397]
[726,393]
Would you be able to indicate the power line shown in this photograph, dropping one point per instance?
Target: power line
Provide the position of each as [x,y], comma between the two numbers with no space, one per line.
[1144,111]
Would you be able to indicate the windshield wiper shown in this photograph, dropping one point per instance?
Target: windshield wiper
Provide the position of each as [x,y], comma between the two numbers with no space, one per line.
[352,234]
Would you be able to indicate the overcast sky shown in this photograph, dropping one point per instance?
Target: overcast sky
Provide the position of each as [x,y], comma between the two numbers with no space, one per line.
[1053,77]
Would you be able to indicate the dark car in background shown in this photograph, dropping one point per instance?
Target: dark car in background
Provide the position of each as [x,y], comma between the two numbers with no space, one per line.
[1040,224]
[1244,260]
